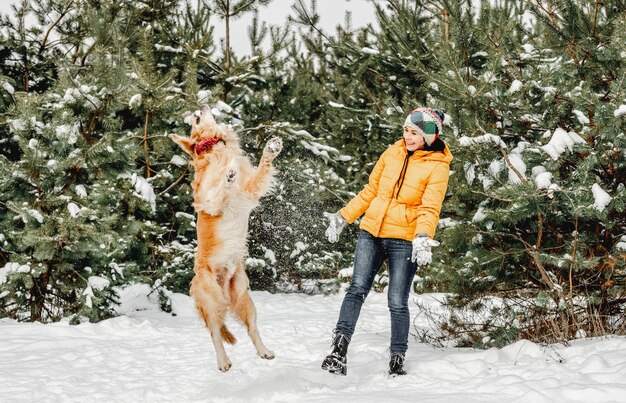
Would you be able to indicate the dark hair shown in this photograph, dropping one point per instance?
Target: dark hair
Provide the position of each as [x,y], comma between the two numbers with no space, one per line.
[437,145]
[440,114]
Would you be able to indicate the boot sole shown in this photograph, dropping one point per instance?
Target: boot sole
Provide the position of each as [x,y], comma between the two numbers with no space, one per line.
[335,370]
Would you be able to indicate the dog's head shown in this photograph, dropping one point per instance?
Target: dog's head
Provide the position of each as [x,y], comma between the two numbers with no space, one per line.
[206,136]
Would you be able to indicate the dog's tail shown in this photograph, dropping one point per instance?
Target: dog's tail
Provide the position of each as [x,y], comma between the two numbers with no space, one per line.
[227,336]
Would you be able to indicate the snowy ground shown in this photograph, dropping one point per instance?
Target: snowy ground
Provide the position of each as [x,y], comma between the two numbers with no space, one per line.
[150,356]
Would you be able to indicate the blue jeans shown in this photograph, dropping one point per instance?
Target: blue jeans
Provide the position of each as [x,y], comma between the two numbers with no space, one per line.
[368,258]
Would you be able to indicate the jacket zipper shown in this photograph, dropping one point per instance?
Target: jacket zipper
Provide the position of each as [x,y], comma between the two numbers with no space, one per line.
[405,166]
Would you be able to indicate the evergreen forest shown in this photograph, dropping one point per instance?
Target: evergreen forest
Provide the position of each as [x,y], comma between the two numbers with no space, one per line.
[95,196]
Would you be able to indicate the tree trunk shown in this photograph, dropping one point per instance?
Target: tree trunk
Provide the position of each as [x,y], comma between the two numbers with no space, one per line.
[38,295]
[227,17]
[145,144]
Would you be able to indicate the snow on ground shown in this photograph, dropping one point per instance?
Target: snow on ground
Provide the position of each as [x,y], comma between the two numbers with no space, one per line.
[150,356]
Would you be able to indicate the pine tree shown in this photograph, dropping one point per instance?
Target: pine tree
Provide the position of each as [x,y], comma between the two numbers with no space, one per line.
[230,10]
[72,202]
[536,162]
[527,219]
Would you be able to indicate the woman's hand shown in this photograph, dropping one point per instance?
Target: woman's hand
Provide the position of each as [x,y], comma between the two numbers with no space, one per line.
[422,253]
[336,223]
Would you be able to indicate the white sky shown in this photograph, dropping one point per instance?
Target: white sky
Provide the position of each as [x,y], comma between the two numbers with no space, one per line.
[332,13]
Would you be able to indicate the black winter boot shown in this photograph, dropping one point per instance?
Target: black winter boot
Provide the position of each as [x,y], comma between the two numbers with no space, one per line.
[396,364]
[336,362]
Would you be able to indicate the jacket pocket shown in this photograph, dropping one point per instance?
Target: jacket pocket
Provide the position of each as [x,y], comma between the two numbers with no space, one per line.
[410,214]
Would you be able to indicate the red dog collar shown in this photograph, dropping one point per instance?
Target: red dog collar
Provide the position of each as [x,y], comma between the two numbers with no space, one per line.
[205,144]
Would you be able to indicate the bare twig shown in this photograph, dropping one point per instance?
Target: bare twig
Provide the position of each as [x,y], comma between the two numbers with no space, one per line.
[54,24]
[180,178]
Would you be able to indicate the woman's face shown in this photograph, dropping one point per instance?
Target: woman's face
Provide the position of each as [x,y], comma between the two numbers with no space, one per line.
[412,139]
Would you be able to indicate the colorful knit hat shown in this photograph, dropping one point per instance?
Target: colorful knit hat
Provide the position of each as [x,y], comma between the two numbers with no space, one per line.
[427,122]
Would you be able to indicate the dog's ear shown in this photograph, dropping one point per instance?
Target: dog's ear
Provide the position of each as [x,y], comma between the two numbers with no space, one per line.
[184,142]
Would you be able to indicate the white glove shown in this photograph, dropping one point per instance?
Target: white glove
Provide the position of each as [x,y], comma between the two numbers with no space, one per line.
[336,223]
[421,253]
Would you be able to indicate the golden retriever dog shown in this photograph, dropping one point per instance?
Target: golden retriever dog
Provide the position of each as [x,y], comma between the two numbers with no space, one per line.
[226,188]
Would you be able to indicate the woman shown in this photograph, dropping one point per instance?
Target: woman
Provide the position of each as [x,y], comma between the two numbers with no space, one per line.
[401,203]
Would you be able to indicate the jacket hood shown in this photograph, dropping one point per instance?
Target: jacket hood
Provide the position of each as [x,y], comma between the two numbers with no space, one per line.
[441,156]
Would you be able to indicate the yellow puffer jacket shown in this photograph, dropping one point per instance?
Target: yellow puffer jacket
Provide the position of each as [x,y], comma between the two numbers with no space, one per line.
[413,208]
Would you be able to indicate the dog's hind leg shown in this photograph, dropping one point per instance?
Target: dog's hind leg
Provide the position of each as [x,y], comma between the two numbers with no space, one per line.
[245,311]
[212,308]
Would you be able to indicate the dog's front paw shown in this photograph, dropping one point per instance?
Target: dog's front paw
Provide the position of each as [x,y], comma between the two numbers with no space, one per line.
[231,176]
[273,147]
